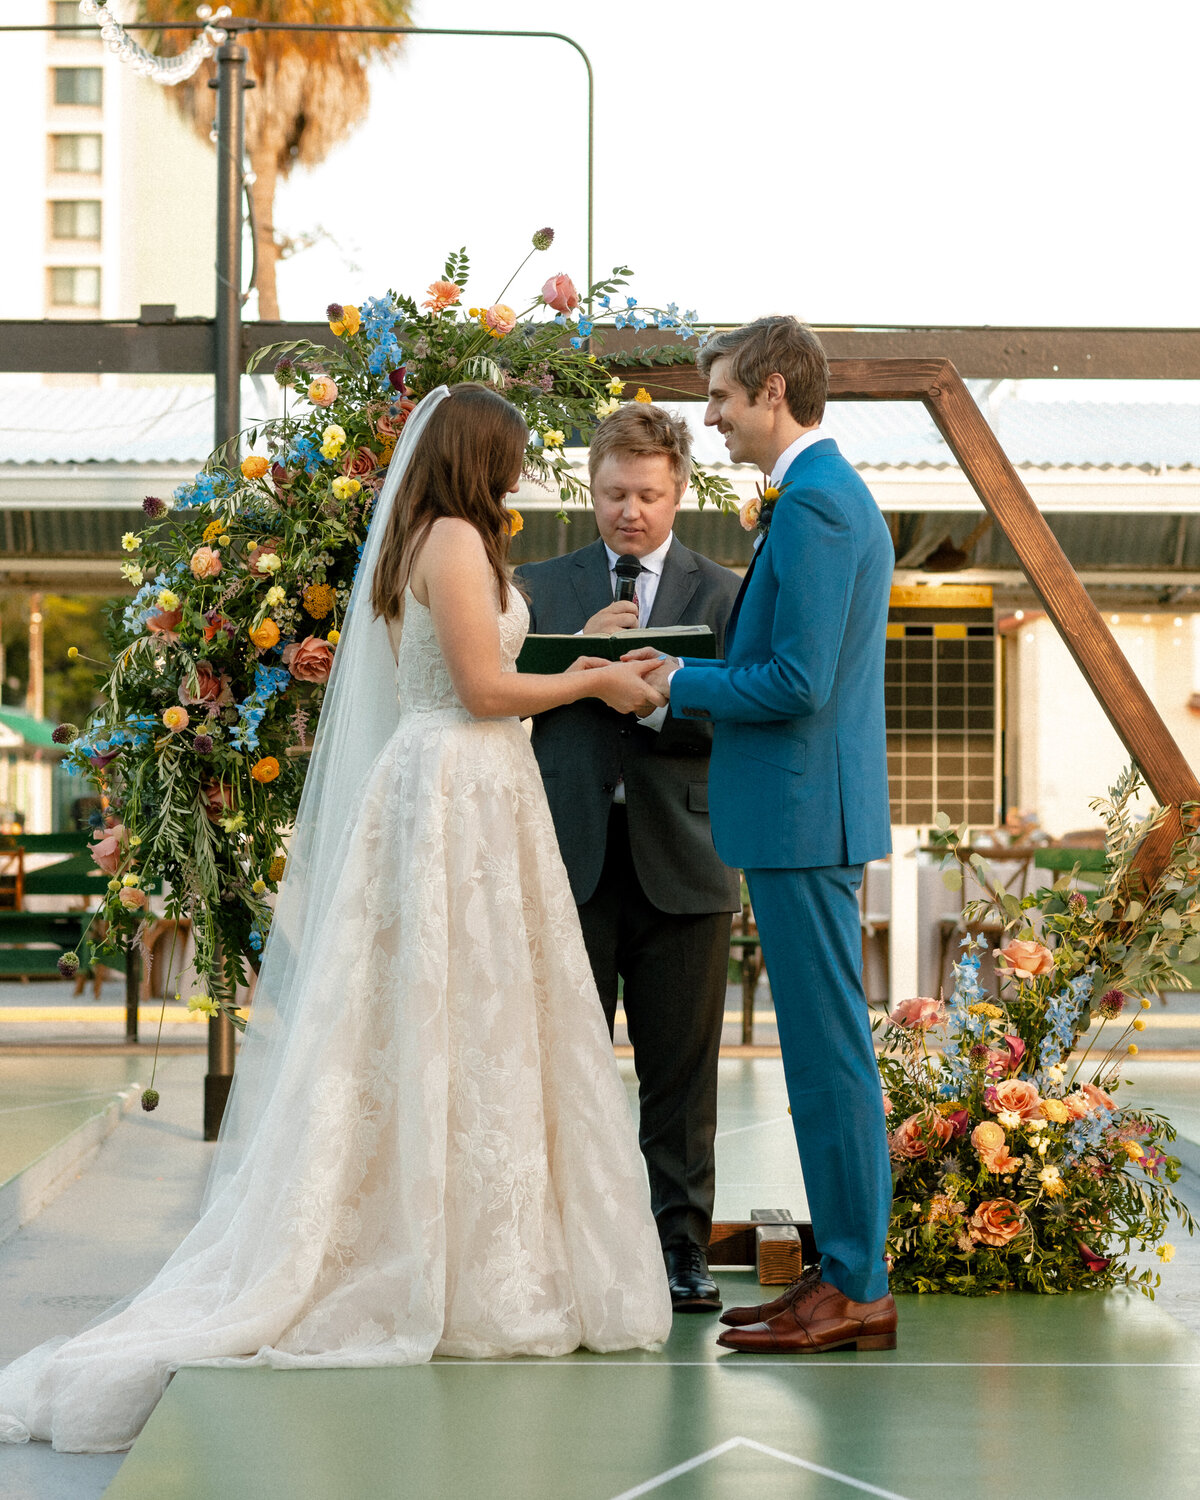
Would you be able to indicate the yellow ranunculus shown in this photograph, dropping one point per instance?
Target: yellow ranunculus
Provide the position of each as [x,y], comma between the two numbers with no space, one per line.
[167,601]
[254,466]
[516,522]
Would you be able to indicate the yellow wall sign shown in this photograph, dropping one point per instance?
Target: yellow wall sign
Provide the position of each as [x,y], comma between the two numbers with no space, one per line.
[942,596]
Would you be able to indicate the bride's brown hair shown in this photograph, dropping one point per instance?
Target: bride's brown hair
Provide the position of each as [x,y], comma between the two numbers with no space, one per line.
[463,465]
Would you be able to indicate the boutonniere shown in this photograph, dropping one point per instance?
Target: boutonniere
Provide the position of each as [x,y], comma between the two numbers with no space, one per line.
[756,514]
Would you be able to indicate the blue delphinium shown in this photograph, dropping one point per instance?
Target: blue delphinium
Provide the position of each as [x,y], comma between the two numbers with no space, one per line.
[1062,1020]
[963,1029]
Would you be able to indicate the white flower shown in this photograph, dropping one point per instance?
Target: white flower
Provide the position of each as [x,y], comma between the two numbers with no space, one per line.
[606,406]
[1035,1124]
[1009,1118]
[1048,1174]
[132,573]
[130,542]
[1042,1147]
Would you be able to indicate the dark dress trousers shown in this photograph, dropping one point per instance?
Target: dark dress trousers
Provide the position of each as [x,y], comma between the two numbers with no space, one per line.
[654,897]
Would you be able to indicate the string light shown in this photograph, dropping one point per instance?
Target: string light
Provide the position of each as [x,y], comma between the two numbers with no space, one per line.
[168,71]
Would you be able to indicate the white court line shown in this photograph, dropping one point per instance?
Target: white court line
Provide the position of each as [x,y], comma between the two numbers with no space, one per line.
[743,1442]
[16,1109]
[758,1125]
[723,1362]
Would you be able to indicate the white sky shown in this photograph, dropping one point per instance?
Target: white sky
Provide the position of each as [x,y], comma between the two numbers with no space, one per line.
[1028,162]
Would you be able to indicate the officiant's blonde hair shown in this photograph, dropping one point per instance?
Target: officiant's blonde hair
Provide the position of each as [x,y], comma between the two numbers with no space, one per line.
[463,465]
[641,429]
[770,346]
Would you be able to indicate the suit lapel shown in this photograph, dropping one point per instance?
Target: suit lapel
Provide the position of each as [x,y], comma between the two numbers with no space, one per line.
[679,581]
[589,576]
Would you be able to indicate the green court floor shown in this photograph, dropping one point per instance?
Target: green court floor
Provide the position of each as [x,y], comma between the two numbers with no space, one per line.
[44,1099]
[1075,1399]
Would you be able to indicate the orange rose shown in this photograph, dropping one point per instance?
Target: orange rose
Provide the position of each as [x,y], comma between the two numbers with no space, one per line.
[254,467]
[1000,1161]
[265,635]
[987,1136]
[996,1222]
[164,622]
[265,769]
[1018,1095]
[1025,959]
[910,1141]
[205,563]
[132,898]
[499,320]
[359,463]
[322,391]
[309,660]
[919,1013]
[750,512]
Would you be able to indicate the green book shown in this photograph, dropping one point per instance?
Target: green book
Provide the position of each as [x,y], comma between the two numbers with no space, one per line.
[555,653]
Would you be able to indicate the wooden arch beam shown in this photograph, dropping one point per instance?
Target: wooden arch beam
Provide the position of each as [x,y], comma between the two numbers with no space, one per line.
[940,388]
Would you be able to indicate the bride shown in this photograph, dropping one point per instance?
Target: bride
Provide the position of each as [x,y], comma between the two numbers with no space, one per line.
[428,1149]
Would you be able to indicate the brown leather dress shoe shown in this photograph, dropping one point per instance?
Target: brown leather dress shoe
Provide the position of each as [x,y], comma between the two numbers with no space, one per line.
[740,1317]
[819,1318]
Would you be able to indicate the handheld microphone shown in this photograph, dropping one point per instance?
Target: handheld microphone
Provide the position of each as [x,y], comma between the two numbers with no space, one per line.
[627,570]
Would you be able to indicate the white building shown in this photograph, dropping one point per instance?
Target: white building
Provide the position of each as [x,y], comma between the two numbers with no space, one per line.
[111,193]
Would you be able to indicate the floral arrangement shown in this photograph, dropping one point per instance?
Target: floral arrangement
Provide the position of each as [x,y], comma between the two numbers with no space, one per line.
[220,659]
[1015,1165]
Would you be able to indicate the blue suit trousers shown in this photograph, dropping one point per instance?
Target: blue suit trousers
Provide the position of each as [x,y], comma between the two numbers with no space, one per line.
[808,922]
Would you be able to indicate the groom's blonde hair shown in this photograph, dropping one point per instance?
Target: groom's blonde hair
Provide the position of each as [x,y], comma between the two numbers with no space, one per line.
[640,429]
[771,346]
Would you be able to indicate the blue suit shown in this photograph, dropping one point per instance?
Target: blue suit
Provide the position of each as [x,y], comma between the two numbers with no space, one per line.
[798,798]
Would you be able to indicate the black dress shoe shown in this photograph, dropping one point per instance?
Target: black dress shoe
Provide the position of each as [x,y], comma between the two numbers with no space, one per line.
[692,1288]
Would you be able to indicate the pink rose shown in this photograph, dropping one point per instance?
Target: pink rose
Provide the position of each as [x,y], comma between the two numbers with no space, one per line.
[887,1104]
[218,798]
[499,320]
[108,851]
[1026,959]
[211,687]
[309,660]
[560,294]
[1018,1095]
[910,1141]
[132,898]
[359,463]
[919,1013]
[1096,1097]
[205,563]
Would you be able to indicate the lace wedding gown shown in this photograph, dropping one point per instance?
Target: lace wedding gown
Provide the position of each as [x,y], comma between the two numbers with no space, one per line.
[447,1164]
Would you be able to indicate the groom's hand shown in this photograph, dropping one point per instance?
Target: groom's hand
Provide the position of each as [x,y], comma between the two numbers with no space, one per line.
[621,614]
[659,677]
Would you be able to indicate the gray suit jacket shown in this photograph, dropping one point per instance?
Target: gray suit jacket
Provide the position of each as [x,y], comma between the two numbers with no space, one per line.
[585,748]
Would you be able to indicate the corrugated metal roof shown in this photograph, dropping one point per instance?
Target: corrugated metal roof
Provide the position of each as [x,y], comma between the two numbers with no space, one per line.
[174,424]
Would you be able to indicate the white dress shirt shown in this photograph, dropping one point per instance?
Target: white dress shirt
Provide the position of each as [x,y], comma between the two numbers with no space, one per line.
[645,589]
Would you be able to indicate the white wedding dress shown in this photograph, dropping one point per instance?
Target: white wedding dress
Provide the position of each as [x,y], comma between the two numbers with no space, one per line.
[446,1164]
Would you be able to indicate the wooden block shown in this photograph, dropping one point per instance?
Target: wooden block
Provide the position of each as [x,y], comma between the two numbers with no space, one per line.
[777,1254]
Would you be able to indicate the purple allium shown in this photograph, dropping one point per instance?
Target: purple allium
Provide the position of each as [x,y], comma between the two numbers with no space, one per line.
[978,1053]
[543,239]
[285,372]
[68,965]
[1112,1003]
[1077,903]
[153,507]
[149,1099]
[64,734]
[335,312]
[203,744]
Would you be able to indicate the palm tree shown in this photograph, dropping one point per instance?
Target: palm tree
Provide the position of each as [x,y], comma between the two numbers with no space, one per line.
[312,90]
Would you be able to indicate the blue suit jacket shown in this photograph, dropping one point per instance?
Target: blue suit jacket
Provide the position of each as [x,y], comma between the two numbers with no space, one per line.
[798,776]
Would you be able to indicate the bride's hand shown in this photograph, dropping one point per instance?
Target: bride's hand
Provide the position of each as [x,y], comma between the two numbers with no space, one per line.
[622,686]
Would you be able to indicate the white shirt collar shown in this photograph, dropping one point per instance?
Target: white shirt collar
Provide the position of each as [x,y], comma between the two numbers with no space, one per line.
[652,562]
[785,460]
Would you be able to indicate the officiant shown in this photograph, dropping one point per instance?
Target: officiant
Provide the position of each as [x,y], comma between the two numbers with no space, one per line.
[629,798]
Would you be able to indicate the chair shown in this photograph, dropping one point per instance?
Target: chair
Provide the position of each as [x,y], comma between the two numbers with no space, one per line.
[12,878]
[1011,867]
[745,939]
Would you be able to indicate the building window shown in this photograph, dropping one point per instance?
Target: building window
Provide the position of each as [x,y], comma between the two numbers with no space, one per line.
[77,153]
[67,13]
[75,286]
[78,86]
[75,219]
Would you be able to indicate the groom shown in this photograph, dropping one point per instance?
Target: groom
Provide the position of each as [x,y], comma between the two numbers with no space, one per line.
[799,799]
